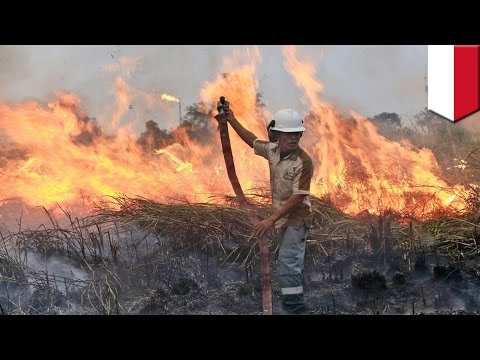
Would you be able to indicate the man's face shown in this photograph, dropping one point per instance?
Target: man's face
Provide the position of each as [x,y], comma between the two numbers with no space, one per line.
[288,142]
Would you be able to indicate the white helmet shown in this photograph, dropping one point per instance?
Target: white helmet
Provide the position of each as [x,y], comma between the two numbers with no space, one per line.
[287,120]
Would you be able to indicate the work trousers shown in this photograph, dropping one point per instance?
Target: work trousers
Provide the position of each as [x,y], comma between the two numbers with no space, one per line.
[290,265]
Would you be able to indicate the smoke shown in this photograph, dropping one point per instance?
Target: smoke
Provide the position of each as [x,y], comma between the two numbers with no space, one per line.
[14,67]
[367,79]
[375,79]
[471,123]
[61,267]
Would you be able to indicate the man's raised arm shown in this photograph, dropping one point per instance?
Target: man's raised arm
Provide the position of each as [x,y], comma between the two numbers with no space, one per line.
[244,134]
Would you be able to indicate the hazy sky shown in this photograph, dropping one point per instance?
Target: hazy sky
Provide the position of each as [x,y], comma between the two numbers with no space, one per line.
[367,79]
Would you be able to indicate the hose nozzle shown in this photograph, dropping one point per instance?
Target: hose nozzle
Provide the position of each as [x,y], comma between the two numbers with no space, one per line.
[223,105]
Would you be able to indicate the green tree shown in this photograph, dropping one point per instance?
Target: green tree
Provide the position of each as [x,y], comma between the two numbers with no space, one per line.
[197,122]
[390,119]
[390,125]
[154,137]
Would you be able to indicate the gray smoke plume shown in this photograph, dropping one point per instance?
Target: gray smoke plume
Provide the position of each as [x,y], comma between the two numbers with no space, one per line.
[368,79]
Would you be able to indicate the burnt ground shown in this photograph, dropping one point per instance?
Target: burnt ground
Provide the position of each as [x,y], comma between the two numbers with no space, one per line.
[154,278]
[342,283]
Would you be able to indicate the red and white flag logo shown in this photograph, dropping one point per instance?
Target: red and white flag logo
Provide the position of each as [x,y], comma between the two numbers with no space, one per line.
[454,80]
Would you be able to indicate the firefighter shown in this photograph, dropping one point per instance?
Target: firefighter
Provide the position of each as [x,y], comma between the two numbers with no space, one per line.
[291,171]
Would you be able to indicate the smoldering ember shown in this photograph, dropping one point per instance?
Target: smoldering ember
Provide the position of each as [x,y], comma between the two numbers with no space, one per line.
[117,223]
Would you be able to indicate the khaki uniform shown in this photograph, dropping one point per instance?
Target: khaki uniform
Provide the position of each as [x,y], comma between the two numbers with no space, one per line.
[288,176]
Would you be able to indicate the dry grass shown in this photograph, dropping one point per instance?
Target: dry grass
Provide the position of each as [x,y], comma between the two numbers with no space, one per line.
[83,243]
[182,224]
[111,245]
[457,237]
[216,227]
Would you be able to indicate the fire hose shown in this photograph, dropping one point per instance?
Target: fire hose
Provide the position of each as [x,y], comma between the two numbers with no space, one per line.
[221,117]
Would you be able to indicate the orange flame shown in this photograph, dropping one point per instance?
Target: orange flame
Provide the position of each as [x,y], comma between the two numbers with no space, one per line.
[360,168]
[55,154]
